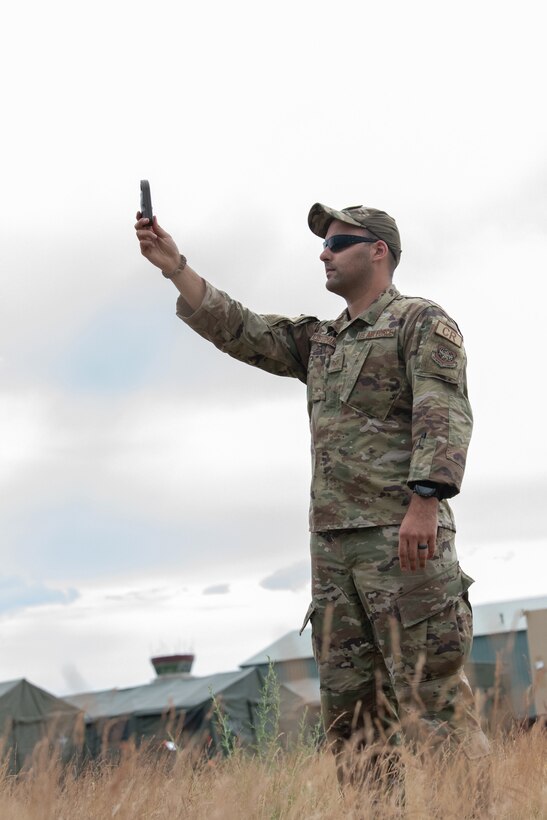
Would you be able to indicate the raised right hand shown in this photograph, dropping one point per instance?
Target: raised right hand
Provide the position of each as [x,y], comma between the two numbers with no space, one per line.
[156,244]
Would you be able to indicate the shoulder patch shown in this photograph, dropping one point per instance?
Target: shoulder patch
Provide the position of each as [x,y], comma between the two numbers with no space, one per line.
[444,357]
[448,333]
[377,333]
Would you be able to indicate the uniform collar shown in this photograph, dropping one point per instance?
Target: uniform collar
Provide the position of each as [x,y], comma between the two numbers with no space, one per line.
[371,315]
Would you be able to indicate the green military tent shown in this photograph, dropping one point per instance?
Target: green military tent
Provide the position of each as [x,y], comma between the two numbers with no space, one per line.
[28,715]
[180,709]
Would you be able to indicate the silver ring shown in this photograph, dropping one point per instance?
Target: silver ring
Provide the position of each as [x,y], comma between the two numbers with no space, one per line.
[423,546]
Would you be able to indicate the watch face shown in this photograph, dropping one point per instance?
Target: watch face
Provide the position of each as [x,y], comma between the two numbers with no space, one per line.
[425,492]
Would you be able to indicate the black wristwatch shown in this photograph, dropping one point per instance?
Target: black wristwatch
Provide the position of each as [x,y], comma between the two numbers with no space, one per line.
[425,491]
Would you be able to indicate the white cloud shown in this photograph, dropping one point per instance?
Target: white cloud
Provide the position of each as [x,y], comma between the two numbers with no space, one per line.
[25,425]
[293,577]
[504,572]
[129,446]
[107,637]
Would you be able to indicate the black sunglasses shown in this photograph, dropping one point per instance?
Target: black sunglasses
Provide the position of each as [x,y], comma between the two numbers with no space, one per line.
[342,240]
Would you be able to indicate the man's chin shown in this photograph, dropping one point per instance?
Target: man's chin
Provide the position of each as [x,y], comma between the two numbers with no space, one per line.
[330,285]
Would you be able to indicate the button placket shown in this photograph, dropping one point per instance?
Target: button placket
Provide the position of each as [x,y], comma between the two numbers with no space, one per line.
[334,375]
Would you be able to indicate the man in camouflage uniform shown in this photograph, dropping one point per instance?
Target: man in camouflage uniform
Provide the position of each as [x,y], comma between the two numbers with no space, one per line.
[390,426]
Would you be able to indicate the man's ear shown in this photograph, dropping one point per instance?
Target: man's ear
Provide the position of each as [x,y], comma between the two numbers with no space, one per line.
[380,250]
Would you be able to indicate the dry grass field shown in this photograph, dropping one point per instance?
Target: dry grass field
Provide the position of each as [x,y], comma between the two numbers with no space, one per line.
[300,784]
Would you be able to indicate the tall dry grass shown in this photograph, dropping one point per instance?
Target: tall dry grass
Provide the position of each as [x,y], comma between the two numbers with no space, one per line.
[298,784]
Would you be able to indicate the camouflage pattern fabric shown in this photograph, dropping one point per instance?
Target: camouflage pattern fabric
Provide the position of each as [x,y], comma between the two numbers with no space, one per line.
[387,398]
[390,646]
[388,405]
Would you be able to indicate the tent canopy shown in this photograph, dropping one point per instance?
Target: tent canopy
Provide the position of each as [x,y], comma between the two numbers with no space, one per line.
[179,692]
[29,715]
[181,706]
[23,702]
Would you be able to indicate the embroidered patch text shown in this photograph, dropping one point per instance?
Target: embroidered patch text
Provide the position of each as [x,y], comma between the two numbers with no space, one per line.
[449,334]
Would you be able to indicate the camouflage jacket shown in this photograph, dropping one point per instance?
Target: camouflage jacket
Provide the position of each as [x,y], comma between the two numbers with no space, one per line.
[387,398]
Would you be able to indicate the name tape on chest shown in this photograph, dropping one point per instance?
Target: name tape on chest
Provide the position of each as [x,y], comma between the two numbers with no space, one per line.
[324,339]
[378,333]
[449,334]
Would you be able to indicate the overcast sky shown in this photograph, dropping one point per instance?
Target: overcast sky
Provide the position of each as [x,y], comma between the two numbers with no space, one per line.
[153,492]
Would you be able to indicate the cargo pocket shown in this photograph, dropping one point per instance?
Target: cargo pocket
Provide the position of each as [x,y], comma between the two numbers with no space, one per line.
[433,595]
[437,625]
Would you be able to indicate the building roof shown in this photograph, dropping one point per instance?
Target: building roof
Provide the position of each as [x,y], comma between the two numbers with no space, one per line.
[290,647]
[489,619]
[504,616]
[164,693]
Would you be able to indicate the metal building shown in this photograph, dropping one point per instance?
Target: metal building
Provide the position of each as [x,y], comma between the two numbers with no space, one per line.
[508,660]
[507,666]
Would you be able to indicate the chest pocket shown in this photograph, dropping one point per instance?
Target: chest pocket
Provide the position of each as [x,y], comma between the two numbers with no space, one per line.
[375,378]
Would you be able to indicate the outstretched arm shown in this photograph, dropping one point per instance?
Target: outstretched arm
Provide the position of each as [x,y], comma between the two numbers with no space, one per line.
[161,250]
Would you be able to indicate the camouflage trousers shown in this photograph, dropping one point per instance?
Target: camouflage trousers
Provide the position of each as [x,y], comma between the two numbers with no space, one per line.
[390,646]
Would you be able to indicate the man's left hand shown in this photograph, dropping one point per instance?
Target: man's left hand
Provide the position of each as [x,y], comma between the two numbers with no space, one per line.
[419,526]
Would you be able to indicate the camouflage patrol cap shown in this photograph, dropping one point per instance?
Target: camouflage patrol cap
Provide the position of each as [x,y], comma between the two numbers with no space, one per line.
[377,222]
